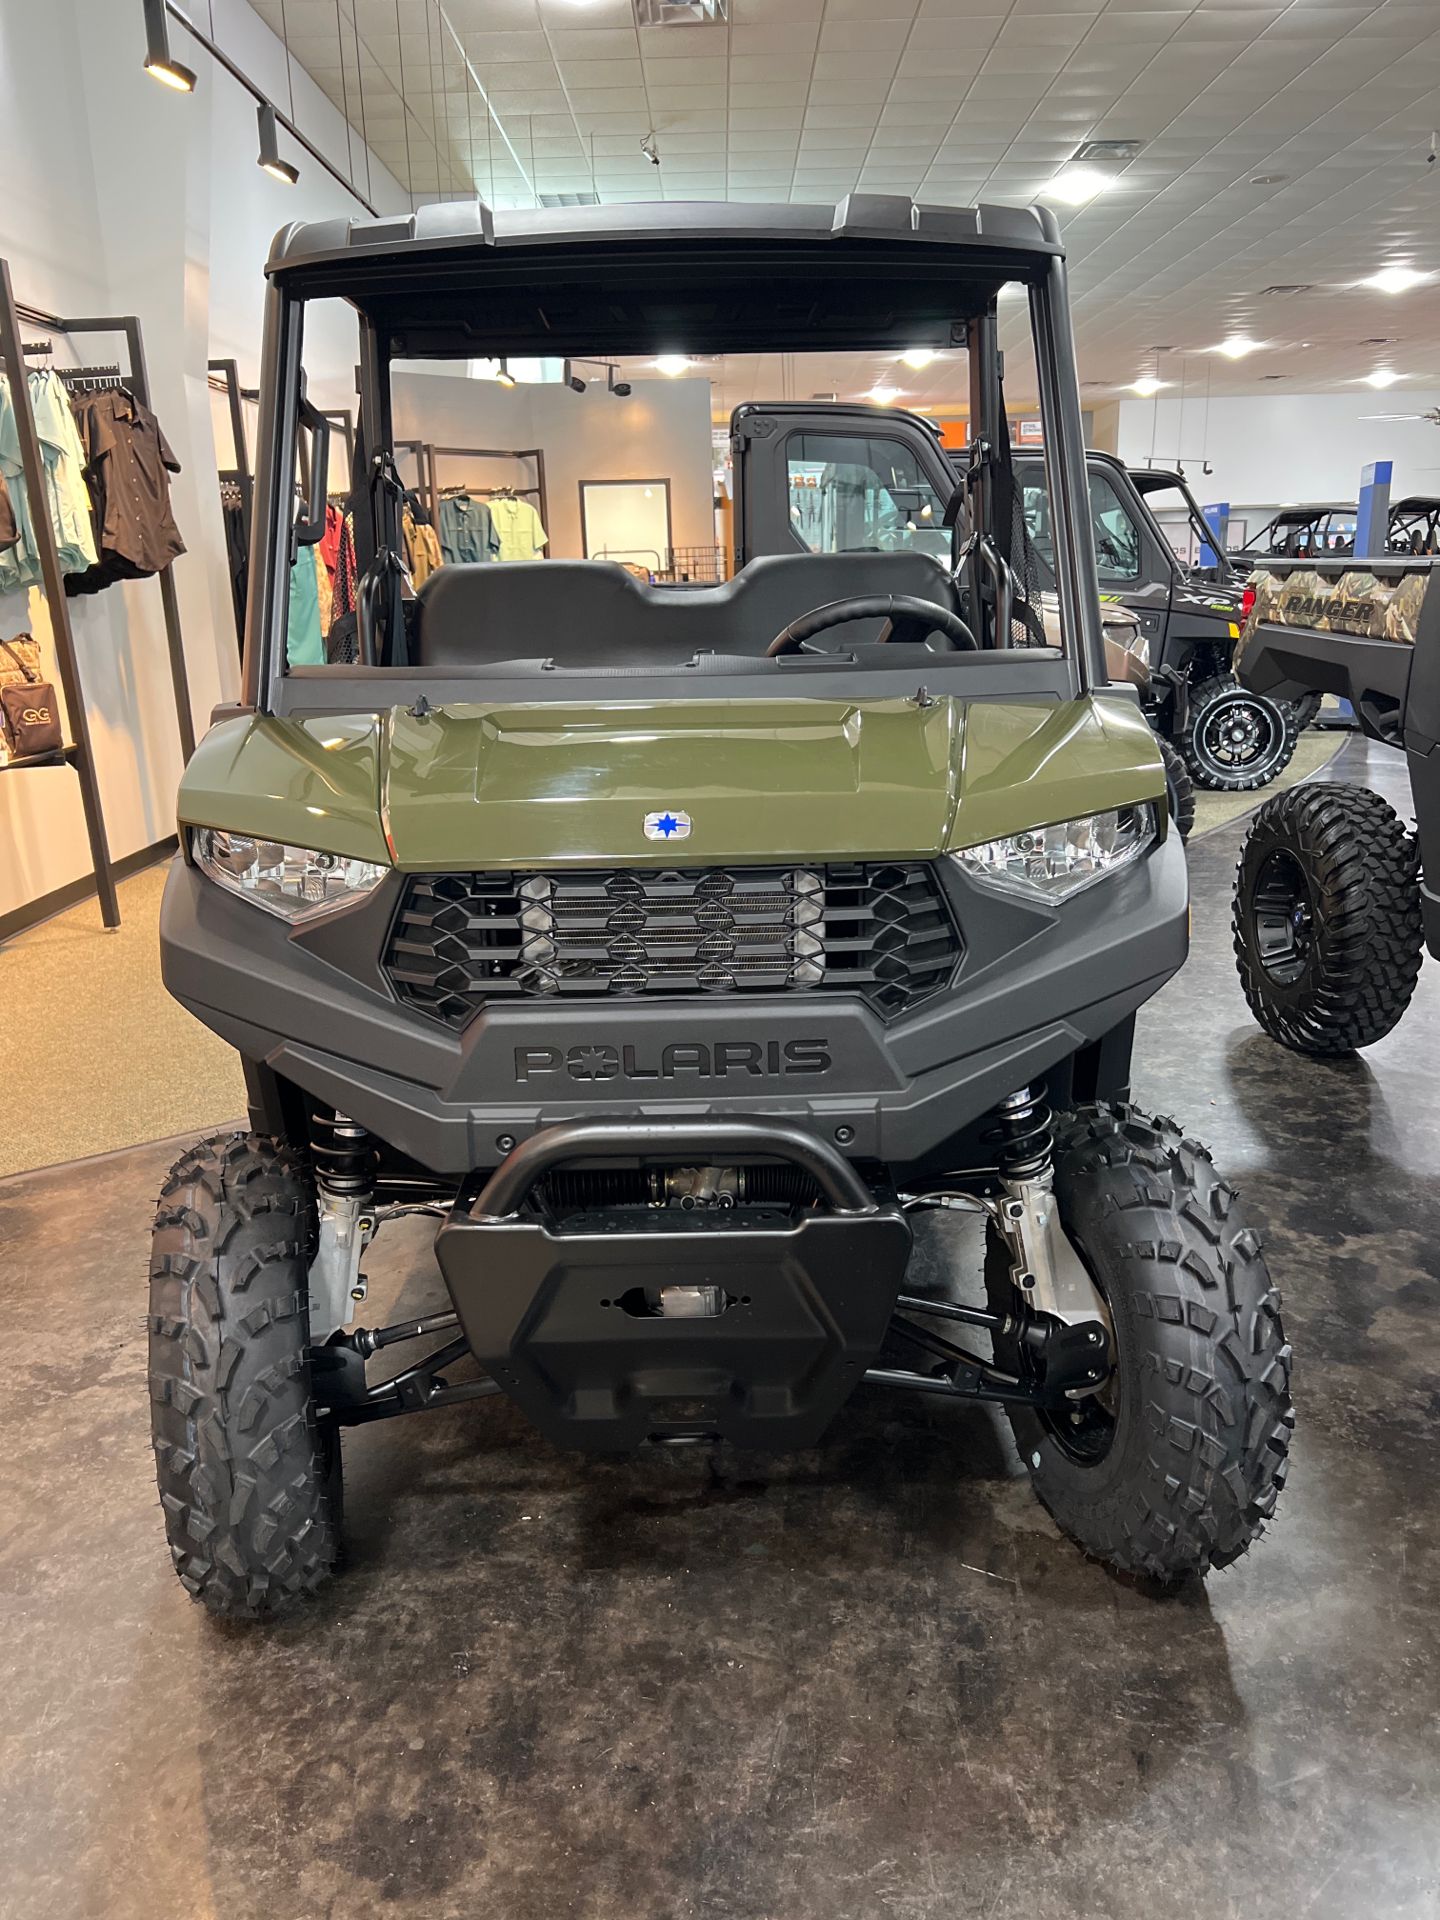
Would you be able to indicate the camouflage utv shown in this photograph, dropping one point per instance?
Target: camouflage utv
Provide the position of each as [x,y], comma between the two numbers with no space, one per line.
[676,947]
[1337,898]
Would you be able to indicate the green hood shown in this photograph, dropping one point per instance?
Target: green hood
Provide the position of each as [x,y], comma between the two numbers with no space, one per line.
[476,786]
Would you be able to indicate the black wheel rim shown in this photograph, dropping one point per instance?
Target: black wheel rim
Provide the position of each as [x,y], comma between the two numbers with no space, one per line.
[1237,736]
[1283,913]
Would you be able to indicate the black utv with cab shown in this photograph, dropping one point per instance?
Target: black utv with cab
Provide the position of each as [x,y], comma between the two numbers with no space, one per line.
[827,477]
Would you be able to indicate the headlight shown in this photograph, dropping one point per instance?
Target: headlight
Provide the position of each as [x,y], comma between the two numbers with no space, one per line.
[294,882]
[1054,863]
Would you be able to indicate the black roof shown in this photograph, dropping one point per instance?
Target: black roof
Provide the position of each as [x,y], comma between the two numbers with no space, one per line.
[1415,503]
[716,276]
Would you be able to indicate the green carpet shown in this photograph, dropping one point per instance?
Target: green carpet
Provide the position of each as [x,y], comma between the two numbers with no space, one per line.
[112,1060]
[1219,809]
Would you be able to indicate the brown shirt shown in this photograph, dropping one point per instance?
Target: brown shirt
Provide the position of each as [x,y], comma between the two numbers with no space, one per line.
[128,462]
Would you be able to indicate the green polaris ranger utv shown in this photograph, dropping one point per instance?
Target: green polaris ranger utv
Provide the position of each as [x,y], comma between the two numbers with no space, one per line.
[676,946]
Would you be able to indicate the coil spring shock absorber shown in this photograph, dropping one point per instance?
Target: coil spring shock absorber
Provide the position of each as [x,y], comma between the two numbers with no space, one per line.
[1047,1271]
[1021,1136]
[344,1159]
[1023,1145]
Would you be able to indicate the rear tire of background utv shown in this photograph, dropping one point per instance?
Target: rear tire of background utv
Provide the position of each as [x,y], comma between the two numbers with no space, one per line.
[1224,768]
[1306,709]
[1329,935]
[1179,790]
[1200,1416]
[249,1479]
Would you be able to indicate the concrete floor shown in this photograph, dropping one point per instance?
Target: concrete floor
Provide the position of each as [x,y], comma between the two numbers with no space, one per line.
[866,1681]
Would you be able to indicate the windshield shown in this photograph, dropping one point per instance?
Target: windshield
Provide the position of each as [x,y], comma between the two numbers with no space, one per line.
[499,517]
[1195,543]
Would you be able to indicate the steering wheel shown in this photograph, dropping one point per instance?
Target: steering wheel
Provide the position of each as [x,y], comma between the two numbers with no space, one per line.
[903,613]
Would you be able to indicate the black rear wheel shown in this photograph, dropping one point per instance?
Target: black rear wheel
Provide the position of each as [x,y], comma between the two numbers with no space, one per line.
[1306,709]
[1327,923]
[1179,790]
[1176,1465]
[1236,740]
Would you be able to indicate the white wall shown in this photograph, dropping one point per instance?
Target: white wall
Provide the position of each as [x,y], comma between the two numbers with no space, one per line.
[661,431]
[1296,446]
[123,197]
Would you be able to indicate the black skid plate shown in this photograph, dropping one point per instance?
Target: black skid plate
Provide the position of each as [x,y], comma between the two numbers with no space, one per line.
[560,1312]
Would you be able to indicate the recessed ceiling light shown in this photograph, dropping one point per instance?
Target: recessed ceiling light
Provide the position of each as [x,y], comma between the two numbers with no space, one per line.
[1075,185]
[1147,385]
[1396,279]
[918,357]
[1237,346]
[1382,377]
[672,364]
[883,395]
[1107,150]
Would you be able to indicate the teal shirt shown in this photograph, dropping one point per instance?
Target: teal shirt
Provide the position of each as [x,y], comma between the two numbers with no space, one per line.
[305,644]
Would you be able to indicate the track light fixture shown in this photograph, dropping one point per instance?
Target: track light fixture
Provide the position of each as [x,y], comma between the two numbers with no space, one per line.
[573,380]
[158,61]
[621,388]
[650,147]
[269,156]
[503,374]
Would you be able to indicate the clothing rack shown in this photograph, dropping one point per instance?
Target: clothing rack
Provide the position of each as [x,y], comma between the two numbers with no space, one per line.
[343,420]
[434,455]
[224,376]
[80,754]
[90,379]
[424,484]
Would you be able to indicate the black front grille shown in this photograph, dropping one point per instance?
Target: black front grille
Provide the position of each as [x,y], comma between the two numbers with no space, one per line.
[880,929]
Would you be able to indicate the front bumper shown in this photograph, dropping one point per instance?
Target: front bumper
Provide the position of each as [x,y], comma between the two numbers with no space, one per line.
[1034,986]
[561,1312]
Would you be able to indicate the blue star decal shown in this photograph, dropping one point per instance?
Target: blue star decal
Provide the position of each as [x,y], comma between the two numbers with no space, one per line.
[671,823]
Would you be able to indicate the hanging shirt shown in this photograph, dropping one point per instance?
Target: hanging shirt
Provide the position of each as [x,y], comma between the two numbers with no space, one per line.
[66,497]
[422,548]
[467,531]
[347,582]
[519,534]
[304,643]
[128,463]
[329,547]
